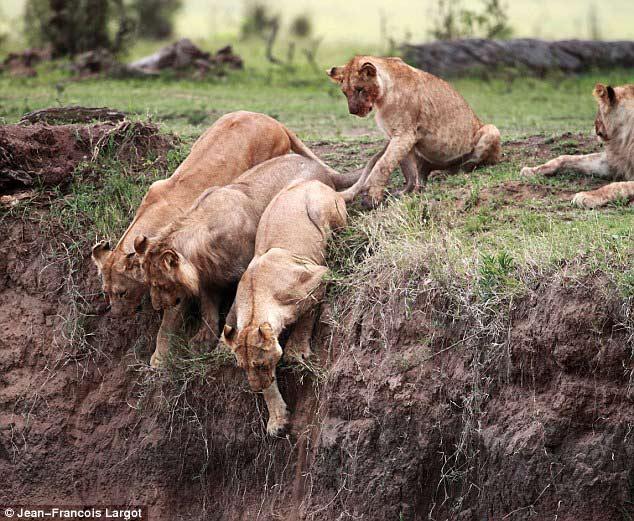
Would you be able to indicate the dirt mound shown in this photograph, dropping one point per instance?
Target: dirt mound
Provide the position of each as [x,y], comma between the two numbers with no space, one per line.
[23,63]
[412,417]
[47,155]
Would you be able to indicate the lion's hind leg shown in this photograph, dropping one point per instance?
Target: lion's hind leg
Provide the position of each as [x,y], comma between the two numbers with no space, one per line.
[487,149]
[409,168]
[589,164]
[604,195]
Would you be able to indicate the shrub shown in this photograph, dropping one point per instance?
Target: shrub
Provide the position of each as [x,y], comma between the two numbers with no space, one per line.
[155,17]
[301,27]
[71,27]
[453,21]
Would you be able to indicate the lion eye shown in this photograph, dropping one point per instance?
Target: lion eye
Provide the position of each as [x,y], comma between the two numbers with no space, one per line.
[359,90]
[121,293]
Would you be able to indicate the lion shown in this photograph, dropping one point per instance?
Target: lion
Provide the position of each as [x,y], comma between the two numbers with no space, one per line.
[234,144]
[614,127]
[429,125]
[206,250]
[282,286]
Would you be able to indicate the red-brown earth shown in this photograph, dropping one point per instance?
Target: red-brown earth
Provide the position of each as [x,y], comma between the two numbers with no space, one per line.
[413,418]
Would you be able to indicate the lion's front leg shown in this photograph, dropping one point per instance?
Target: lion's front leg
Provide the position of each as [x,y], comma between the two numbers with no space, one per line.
[278,412]
[396,151]
[604,195]
[590,164]
[170,326]
[349,194]
[298,343]
[209,330]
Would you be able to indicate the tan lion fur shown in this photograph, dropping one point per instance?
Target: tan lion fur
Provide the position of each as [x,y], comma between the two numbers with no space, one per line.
[429,125]
[282,285]
[207,249]
[234,144]
[614,126]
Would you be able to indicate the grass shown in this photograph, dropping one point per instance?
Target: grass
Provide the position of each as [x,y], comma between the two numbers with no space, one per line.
[303,99]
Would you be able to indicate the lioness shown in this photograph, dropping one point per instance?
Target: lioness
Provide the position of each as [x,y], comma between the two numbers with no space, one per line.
[208,248]
[614,126]
[235,143]
[282,285]
[429,125]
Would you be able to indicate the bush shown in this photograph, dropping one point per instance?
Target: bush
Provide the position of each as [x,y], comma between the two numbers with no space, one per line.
[71,27]
[454,21]
[258,21]
[301,27]
[155,17]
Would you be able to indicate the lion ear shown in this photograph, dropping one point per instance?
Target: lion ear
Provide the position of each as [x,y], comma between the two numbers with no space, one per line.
[229,336]
[140,244]
[170,259]
[266,331]
[367,71]
[100,253]
[131,261]
[335,74]
[605,93]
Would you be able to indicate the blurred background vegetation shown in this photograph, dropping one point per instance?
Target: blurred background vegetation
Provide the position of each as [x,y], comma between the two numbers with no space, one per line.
[301,32]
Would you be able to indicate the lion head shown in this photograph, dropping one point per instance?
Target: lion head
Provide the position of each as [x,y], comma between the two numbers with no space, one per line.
[257,351]
[172,278]
[122,278]
[359,81]
[615,110]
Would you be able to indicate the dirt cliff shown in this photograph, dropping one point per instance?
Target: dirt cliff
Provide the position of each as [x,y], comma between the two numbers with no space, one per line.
[408,415]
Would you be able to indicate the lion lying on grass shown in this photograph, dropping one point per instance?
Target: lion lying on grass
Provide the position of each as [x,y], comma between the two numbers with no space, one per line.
[614,126]
[234,144]
[429,124]
[207,249]
[281,287]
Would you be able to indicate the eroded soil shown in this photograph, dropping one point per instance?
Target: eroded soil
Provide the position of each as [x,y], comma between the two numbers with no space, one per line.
[390,431]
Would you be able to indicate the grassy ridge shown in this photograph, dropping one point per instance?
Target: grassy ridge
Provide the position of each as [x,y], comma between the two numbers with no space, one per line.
[467,231]
[304,100]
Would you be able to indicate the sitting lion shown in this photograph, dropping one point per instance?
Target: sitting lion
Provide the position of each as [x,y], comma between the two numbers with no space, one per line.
[207,249]
[614,126]
[235,143]
[429,125]
[281,287]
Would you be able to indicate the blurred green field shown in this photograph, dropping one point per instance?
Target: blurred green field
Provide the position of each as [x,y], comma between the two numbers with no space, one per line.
[361,22]
[305,100]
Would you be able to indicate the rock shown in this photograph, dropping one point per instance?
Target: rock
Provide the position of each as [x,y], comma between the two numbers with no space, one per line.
[459,57]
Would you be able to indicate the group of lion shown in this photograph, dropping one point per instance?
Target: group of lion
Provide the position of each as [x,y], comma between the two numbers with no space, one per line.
[242,210]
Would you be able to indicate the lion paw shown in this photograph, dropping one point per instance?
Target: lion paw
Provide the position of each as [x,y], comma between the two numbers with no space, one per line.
[278,424]
[372,199]
[587,200]
[527,171]
[204,337]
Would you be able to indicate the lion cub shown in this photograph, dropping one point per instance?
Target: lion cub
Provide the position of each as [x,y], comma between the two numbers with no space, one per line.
[282,286]
[232,145]
[614,126]
[429,125]
[206,250]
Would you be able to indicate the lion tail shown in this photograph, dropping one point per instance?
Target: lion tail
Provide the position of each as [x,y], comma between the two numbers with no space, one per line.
[340,181]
